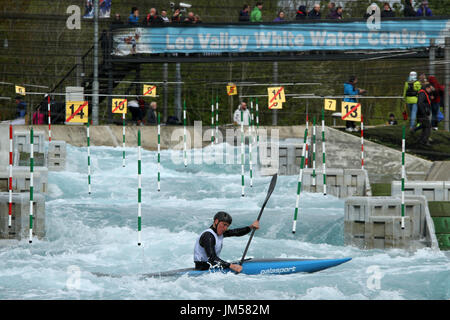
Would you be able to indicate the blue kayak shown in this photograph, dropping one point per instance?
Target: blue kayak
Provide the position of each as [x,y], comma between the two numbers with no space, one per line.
[261,267]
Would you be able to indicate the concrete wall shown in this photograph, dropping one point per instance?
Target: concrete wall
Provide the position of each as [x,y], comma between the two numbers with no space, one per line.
[375,223]
[432,190]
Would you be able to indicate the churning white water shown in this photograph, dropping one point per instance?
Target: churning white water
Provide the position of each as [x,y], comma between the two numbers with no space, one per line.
[98,233]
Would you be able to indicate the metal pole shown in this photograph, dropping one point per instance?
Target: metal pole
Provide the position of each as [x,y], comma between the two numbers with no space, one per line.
[447,85]
[275,80]
[431,69]
[95,84]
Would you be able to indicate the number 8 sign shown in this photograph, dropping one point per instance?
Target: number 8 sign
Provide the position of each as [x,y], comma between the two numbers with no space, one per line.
[119,105]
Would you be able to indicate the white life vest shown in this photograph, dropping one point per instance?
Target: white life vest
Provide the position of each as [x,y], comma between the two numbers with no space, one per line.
[199,251]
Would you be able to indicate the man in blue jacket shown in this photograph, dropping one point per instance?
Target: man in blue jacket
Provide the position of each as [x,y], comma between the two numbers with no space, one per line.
[350,89]
[423,10]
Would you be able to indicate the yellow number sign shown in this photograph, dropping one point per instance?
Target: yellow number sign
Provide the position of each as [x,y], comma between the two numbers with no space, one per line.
[330,104]
[77,111]
[351,111]
[119,105]
[231,90]
[275,105]
[276,94]
[20,90]
[149,90]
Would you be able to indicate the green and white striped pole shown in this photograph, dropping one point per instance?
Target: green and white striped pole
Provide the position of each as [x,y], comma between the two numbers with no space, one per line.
[257,130]
[324,166]
[139,189]
[159,152]
[242,152]
[123,140]
[250,150]
[252,126]
[31,183]
[212,120]
[403,178]
[299,184]
[217,118]
[185,143]
[89,157]
[314,152]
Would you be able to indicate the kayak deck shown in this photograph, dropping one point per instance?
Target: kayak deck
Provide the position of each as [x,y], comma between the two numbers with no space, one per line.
[261,266]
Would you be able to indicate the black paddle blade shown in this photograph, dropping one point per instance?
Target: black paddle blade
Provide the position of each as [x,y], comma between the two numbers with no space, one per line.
[273,182]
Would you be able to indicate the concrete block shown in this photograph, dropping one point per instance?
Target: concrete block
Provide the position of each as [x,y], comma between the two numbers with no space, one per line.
[432,190]
[21,141]
[20,225]
[57,146]
[21,179]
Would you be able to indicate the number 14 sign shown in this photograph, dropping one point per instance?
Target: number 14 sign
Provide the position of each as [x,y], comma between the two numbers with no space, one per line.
[77,111]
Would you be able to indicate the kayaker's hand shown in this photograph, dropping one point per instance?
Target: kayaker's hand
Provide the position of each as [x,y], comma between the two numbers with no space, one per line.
[236,267]
[255,225]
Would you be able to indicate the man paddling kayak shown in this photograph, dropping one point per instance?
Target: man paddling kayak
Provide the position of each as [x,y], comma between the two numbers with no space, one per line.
[209,243]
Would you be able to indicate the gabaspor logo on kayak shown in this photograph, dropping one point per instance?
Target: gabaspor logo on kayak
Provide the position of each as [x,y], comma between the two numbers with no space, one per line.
[278,270]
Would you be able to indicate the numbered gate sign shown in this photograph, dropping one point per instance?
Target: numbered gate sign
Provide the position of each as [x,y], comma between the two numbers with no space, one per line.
[276,94]
[149,90]
[20,90]
[231,90]
[119,105]
[330,104]
[77,111]
[275,105]
[351,111]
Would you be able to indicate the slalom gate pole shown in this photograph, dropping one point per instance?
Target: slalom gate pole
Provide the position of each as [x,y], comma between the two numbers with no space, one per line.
[307,138]
[212,120]
[217,118]
[403,178]
[362,142]
[123,139]
[242,152]
[49,120]
[299,184]
[30,240]
[184,129]
[139,188]
[89,157]
[324,166]
[10,175]
[314,152]
[257,123]
[159,152]
[250,150]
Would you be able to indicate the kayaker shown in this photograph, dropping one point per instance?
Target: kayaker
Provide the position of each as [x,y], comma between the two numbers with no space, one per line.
[209,243]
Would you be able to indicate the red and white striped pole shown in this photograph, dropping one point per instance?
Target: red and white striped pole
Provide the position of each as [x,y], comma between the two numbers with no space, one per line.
[10,175]
[362,142]
[49,120]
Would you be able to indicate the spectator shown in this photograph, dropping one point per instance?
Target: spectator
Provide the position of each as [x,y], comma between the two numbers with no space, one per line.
[164,17]
[337,14]
[244,15]
[88,9]
[410,92]
[435,101]
[387,11]
[256,15]
[280,17]
[117,21]
[143,106]
[331,10]
[423,79]
[392,121]
[21,107]
[237,114]
[135,110]
[197,19]
[409,9]
[152,117]
[424,10]
[190,18]
[152,18]
[38,116]
[315,12]
[423,114]
[350,89]
[177,15]
[133,19]
[301,13]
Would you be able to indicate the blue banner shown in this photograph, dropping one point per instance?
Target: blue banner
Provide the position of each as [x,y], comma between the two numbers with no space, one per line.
[392,34]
